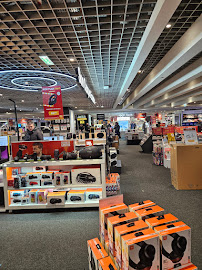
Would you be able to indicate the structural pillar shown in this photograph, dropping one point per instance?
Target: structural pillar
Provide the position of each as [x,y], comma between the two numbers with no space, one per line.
[72,121]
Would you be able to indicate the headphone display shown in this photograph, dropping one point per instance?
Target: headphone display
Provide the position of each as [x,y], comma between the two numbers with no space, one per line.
[178,245]
[146,255]
[52,99]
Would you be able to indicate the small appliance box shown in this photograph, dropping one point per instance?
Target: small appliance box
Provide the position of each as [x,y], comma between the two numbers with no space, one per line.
[106,264]
[56,198]
[58,178]
[111,185]
[160,220]
[100,134]
[42,196]
[141,250]
[16,196]
[86,176]
[93,194]
[115,221]
[107,212]
[124,230]
[33,196]
[39,169]
[47,182]
[66,178]
[33,183]
[140,205]
[150,212]
[47,176]
[75,196]
[33,176]
[175,245]
[96,252]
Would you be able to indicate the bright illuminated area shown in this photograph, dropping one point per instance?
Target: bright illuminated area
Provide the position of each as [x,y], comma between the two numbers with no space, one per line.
[100,134]
[46,60]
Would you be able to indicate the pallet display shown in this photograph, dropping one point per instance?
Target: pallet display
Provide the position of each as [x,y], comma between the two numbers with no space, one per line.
[51,166]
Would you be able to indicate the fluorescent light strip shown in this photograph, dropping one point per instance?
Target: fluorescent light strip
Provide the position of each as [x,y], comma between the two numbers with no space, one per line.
[46,60]
[27,78]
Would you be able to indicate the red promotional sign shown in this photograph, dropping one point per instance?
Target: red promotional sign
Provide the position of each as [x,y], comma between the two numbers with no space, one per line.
[157,131]
[52,103]
[167,130]
[88,142]
[42,147]
[179,130]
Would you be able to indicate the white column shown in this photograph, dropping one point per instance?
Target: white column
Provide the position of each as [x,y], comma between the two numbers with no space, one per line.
[72,122]
[89,120]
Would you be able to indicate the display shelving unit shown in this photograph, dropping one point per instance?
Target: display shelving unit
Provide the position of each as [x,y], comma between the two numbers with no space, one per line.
[52,164]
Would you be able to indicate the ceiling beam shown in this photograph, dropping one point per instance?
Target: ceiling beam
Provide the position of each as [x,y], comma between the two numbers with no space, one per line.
[188,46]
[161,15]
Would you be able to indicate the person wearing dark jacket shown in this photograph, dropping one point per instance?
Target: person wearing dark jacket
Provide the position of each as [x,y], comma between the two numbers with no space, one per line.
[117,129]
[32,133]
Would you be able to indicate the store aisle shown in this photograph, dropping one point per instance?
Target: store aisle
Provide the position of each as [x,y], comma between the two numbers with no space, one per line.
[57,240]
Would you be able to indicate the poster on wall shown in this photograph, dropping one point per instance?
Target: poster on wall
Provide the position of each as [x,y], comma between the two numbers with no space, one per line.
[41,147]
[52,103]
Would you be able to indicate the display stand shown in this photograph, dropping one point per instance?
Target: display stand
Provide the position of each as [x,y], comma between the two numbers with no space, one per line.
[53,165]
[133,137]
[147,145]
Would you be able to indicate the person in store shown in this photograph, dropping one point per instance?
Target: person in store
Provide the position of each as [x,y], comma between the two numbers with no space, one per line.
[33,133]
[81,128]
[117,129]
[87,128]
[51,130]
[158,124]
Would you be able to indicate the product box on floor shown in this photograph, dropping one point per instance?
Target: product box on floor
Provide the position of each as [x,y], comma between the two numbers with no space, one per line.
[141,250]
[106,264]
[111,186]
[160,220]
[75,196]
[175,245]
[149,212]
[86,176]
[124,230]
[56,198]
[93,194]
[140,205]
[112,223]
[107,212]
[96,252]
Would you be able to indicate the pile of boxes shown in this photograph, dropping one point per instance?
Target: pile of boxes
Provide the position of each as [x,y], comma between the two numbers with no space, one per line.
[112,184]
[141,236]
[54,197]
[40,177]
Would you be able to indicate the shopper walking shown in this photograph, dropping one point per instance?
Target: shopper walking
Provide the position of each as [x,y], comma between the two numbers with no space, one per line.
[117,129]
[32,133]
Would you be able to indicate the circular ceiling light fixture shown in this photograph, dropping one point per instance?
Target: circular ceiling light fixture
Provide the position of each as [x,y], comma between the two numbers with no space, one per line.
[168,26]
[17,80]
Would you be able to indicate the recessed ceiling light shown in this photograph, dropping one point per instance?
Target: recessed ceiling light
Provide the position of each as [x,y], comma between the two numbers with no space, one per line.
[168,25]
[10,109]
[23,100]
[139,71]
[71,59]
[75,107]
[102,106]
[46,60]
[1,95]
[194,101]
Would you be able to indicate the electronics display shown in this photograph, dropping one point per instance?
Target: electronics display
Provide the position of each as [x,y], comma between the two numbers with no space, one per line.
[86,176]
[3,148]
[90,152]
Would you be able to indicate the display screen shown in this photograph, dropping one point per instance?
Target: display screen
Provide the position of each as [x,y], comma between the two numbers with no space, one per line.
[3,147]
[3,141]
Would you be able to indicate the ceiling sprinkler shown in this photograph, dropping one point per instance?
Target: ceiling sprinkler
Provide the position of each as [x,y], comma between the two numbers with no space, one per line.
[38,2]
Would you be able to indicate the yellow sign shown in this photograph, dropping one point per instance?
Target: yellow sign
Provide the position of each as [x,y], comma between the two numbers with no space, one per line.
[171,137]
[82,122]
[53,113]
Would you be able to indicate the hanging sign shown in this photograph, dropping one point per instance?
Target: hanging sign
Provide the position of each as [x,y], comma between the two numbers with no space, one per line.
[100,116]
[190,136]
[88,142]
[52,103]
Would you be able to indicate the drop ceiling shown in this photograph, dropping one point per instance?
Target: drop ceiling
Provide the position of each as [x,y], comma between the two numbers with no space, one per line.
[102,37]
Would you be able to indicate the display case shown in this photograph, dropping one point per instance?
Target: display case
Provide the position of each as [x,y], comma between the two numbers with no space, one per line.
[54,184]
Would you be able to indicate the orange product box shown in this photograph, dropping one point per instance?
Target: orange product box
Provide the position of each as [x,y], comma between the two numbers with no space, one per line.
[93,194]
[149,212]
[75,196]
[107,264]
[115,221]
[33,176]
[111,186]
[175,245]
[141,250]
[190,266]
[56,198]
[140,205]
[124,230]
[95,253]
[160,220]
[107,212]
[106,245]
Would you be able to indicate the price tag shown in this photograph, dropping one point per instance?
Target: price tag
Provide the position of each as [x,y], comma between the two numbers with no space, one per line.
[88,142]
[190,136]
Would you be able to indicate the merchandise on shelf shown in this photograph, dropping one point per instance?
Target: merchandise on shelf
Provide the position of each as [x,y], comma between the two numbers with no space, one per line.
[76,196]
[56,198]
[86,175]
[93,194]
[112,184]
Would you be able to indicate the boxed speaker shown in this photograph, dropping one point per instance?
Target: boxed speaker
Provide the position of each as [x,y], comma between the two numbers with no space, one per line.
[93,194]
[141,250]
[160,220]
[76,196]
[140,205]
[124,230]
[106,264]
[56,198]
[149,212]
[115,221]
[96,252]
[175,245]
[100,134]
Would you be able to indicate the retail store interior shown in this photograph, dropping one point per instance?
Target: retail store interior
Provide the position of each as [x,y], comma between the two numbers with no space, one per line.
[100,134]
